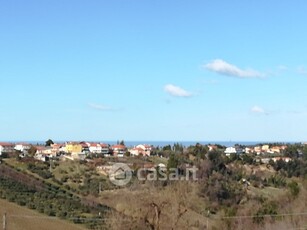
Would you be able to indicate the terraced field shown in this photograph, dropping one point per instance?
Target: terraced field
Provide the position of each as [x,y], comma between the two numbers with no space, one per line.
[20,218]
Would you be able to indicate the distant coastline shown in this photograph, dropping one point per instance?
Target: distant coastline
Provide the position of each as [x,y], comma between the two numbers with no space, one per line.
[164,143]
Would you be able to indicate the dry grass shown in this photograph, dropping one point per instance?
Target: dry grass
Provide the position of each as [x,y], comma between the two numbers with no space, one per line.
[178,205]
[135,210]
[21,218]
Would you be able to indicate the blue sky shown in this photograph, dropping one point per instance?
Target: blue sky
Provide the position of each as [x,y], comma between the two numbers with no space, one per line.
[153,70]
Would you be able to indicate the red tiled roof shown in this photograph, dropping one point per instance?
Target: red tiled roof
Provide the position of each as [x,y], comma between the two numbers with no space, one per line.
[6,144]
[118,147]
[57,146]
[22,143]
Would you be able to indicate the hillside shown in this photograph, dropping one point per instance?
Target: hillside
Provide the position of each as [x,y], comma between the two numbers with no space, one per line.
[20,218]
[233,192]
[48,198]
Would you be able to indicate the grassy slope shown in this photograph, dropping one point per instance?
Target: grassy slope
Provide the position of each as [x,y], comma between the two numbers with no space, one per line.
[135,204]
[21,218]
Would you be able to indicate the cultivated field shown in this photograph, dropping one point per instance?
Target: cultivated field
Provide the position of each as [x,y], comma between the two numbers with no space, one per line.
[20,218]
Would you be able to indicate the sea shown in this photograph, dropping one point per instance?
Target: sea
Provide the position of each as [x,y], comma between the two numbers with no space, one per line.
[165,143]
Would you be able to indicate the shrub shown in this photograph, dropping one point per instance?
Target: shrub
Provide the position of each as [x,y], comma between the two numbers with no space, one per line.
[267,209]
[294,188]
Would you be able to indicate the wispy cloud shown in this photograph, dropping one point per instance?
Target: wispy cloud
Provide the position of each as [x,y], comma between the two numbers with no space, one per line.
[176,91]
[100,107]
[282,68]
[259,110]
[302,70]
[296,112]
[222,67]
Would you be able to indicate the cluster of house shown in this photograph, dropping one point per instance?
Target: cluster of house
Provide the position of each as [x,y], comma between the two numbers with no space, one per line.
[75,150]
[262,151]
[6,147]
[79,150]
[256,149]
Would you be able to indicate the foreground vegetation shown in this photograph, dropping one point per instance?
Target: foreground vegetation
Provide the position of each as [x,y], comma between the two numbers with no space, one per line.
[235,192]
[231,192]
[49,198]
[22,218]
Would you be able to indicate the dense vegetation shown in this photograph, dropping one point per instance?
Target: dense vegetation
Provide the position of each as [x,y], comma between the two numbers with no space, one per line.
[265,195]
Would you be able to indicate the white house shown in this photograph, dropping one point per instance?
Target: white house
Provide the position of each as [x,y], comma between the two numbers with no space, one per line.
[98,148]
[94,147]
[45,150]
[275,159]
[105,149]
[248,150]
[144,150]
[119,150]
[6,148]
[22,147]
[57,148]
[230,150]
[136,151]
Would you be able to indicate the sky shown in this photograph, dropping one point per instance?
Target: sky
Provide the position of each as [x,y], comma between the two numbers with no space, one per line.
[153,70]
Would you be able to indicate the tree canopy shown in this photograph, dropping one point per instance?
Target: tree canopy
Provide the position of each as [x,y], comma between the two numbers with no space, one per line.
[49,142]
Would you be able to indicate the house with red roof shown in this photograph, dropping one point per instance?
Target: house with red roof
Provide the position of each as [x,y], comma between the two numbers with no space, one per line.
[94,147]
[57,148]
[105,148]
[137,151]
[6,147]
[143,149]
[45,150]
[98,148]
[22,147]
[119,150]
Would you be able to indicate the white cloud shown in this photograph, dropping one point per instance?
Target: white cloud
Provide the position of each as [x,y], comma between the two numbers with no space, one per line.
[99,107]
[259,110]
[176,91]
[221,67]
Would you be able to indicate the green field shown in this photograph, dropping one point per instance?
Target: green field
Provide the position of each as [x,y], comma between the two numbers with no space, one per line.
[20,218]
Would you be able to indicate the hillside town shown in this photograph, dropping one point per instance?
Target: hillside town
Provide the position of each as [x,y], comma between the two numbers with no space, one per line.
[73,150]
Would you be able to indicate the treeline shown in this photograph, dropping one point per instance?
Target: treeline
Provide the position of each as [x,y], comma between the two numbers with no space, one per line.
[297,167]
